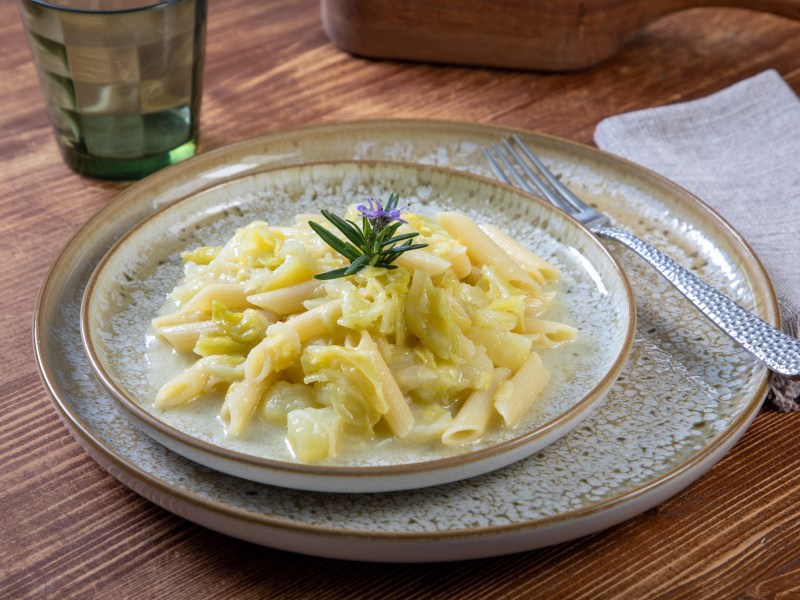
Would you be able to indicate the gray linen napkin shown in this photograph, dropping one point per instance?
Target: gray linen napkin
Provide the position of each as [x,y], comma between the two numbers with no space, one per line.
[739,151]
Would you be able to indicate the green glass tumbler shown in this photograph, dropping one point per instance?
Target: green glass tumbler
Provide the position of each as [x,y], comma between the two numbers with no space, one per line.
[122,80]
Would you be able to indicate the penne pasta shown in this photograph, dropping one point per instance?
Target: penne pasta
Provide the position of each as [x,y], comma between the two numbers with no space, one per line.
[317,321]
[287,300]
[184,336]
[482,250]
[423,348]
[279,349]
[197,380]
[398,416]
[460,263]
[473,417]
[232,295]
[537,304]
[547,334]
[421,260]
[281,345]
[184,388]
[521,390]
[241,403]
[538,268]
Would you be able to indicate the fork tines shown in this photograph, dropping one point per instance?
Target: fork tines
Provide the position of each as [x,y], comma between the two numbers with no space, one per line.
[514,163]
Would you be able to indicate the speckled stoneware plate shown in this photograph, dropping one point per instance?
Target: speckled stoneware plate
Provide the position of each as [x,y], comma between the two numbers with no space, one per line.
[684,397]
[132,281]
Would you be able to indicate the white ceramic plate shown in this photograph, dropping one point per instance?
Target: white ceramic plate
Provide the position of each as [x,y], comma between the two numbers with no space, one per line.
[684,398]
[133,279]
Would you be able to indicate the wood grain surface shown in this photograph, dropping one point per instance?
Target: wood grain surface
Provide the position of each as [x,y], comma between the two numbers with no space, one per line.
[70,530]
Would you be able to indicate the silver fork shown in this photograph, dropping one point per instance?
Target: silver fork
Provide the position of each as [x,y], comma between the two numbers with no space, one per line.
[513,163]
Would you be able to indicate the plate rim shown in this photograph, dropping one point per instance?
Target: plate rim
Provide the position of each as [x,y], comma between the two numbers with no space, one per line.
[571,417]
[123,468]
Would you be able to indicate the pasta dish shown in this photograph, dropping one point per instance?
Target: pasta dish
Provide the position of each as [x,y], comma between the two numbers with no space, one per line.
[438,347]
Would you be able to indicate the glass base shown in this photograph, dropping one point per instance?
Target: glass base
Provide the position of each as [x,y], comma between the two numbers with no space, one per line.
[125,169]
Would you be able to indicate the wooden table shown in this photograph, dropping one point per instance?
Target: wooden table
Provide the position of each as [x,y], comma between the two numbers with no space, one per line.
[69,529]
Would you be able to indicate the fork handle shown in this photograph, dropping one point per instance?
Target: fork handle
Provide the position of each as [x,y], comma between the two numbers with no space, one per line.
[776,349]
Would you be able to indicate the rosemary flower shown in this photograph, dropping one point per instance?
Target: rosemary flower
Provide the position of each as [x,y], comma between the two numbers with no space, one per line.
[374,243]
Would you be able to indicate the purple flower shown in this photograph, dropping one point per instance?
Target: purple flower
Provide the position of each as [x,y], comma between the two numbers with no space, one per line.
[379,217]
[375,243]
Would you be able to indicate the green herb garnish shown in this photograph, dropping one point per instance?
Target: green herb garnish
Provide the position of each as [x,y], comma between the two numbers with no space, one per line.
[374,243]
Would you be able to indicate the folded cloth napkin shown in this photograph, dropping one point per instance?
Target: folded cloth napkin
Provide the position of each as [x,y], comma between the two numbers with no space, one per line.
[737,150]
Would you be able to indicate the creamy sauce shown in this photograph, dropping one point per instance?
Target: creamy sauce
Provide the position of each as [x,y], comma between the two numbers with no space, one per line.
[201,417]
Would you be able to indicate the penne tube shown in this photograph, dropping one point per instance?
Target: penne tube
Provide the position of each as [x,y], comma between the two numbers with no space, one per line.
[398,416]
[317,321]
[546,334]
[482,250]
[184,336]
[460,262]
[473,417]
[536,304]
[515,397]
[185,387]
[287,300]
[178,318]
[199,379]
[461,265]
[422,260]
[278,350]
[281,344]
[538,268]
[232,295]
[240,404]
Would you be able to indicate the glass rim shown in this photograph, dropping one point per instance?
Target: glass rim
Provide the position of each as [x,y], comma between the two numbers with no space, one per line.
[49,4]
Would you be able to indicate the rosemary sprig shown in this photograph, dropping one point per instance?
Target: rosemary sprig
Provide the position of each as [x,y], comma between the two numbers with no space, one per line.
[374,243]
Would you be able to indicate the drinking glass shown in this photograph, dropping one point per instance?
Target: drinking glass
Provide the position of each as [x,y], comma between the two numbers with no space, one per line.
[122,80]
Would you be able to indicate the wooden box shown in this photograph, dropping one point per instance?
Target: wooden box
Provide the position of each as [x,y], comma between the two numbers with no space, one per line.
[549,35]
